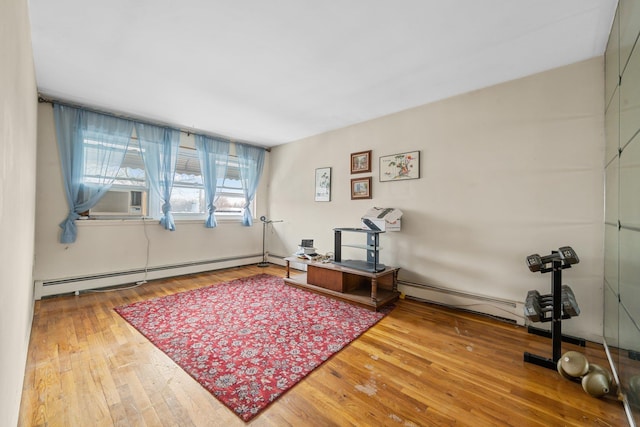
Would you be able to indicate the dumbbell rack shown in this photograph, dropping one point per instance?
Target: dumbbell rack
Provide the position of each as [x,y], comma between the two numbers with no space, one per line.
[557,265]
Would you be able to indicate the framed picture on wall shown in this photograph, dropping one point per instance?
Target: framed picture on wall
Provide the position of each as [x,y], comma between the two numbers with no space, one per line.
[323,185]
[361,162]
[361,188]
[398,167]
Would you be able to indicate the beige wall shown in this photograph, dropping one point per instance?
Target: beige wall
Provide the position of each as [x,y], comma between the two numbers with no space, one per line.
[506,171]
[116,246]
[18,99]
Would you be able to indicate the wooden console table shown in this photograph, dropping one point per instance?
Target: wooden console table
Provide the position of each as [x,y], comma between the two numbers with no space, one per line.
[363,288]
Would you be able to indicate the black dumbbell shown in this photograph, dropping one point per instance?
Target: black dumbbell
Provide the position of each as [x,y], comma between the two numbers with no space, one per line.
[569,303]
[567,292]
[534,312]
[570,309]
[567,289]
[568,255]
[534,262]
[537,306]
[533,294]
[545,300]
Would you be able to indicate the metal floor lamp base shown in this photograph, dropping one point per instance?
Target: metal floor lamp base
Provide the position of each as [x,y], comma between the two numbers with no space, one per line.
[265,221]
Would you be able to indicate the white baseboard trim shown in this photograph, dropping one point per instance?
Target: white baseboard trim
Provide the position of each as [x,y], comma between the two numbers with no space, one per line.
[495,307]
[276,259]
[43,288]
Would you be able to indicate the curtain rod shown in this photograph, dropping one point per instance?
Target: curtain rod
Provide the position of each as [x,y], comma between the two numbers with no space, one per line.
[42,99]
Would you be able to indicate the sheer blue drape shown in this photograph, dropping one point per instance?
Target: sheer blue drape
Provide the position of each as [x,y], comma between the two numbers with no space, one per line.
[92,147]
[159,147]
[251,162]
[213,154]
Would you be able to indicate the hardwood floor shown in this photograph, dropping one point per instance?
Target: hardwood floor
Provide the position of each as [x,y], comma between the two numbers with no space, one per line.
[422,365]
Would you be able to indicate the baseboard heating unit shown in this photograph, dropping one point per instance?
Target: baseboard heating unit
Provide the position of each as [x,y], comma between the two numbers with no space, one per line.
[495,307]
[44,288]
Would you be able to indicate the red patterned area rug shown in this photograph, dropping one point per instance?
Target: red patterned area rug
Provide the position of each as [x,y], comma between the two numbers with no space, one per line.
[249,340]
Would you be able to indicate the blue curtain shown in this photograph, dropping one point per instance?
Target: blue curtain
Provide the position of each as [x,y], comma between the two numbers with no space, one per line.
[92,147]
[213,154]
[251,162]
[159,147]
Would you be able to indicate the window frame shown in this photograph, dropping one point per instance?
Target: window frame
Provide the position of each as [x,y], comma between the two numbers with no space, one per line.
[220,215]
[153,205]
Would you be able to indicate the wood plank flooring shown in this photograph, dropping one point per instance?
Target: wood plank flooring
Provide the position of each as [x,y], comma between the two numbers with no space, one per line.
[422,365]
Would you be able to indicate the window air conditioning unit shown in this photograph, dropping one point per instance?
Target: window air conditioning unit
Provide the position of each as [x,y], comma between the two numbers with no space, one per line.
[120,203]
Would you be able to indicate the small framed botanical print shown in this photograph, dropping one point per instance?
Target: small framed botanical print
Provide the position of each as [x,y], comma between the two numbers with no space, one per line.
[361,162]
[398,167]
[361,188]
[323,185]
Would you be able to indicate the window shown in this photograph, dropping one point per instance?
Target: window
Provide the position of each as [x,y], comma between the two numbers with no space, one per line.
[101,165]
[131,173]
[187,195]
[230,194]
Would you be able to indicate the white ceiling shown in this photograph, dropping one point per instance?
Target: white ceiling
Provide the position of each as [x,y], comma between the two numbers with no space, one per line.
[275,71]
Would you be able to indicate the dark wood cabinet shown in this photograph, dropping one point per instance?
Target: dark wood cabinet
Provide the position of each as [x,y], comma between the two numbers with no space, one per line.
[367,289]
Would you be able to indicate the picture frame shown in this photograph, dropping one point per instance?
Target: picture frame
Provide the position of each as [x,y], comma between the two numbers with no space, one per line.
[361,162]
[361,188]
[323,185]
[399,167]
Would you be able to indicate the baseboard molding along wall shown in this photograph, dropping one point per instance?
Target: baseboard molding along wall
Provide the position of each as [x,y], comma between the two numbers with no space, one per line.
[495,307]
[44,288]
